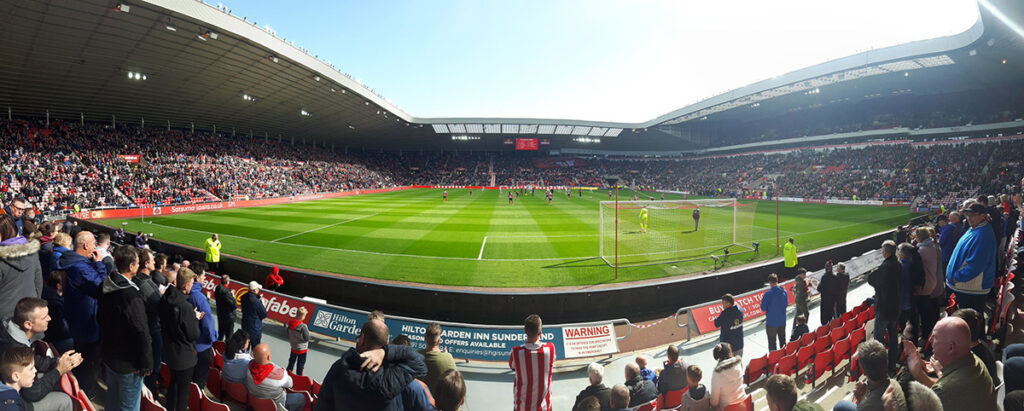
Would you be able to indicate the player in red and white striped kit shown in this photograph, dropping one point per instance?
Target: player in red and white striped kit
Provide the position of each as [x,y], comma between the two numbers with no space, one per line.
[532,363]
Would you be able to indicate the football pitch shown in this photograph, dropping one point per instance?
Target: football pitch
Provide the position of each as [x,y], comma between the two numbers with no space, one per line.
[481,240]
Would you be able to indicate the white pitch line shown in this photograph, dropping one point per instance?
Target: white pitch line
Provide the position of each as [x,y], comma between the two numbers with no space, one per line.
[433,257]
[481,256]
[321,228]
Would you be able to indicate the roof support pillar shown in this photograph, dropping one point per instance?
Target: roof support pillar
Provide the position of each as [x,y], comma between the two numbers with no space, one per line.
[143,122]
[168,125]
[47,117]
[81,118]
[193,127]
[113,121]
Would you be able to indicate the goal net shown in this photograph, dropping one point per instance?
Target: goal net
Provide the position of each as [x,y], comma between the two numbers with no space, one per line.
[671,233]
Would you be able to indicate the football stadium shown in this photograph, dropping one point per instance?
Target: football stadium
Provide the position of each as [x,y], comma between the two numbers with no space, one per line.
[488,206]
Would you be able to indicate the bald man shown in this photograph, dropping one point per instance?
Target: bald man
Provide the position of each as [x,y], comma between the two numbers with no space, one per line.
[641,391]
[85,274]
[266,380]
[963,382]
[371,375]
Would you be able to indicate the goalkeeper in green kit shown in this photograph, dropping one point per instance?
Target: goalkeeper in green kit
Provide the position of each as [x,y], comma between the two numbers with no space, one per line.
[643,219]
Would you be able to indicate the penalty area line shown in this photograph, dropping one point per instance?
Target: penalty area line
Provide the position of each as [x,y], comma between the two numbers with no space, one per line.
[481,256]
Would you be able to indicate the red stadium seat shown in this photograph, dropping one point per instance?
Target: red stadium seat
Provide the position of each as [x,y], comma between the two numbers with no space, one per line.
[871,311]
[307,406]
[261,404]
[806,339]
[301,382]
[834,323]
[863,318]
[165,375]
[773,358]
[316,387]
[220,346]
[147,402]
[850,325]
[842,351]
[672,399]
[803,357]
[755,369]
[235,392]
[856,337]
[213,383]
[792,347]
[69,385]
[822,344]
[854,372]
[218,360]
[195,396]
[837,334]
[211,405]
[823,362]
[847,316]
[650,406]
[786,365]
[821,332]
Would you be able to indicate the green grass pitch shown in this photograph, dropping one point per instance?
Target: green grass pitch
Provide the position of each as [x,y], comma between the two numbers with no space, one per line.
[478,240]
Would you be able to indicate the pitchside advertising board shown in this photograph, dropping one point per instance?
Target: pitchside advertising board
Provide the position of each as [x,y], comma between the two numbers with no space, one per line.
[463,342]
[704,315]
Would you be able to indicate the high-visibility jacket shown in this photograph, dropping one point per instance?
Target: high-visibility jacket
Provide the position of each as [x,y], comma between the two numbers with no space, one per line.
[212,250]
[789,252]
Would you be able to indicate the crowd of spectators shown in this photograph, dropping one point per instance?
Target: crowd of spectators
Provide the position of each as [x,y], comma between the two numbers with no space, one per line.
[64,167]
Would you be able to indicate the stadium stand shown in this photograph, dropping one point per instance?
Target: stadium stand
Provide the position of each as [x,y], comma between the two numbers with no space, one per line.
[65,165]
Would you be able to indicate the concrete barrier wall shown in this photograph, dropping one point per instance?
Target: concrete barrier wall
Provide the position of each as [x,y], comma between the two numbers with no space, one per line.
[636,302]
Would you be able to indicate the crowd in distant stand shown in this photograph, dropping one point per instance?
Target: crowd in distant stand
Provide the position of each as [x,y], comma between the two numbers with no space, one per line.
[66,167]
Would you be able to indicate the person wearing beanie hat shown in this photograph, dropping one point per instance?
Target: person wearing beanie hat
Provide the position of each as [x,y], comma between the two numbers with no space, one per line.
[253,313]
[274,280]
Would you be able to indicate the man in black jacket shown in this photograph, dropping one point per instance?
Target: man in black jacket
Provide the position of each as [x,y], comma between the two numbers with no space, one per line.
[596,389]
[888,285]
[827,290]
[641,391]
[352,385]
[31,318]
[226,306]
[842,287]
[127,349]
[673,376]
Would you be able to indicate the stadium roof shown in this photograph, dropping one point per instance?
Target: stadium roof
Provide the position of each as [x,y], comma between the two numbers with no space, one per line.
[185,63]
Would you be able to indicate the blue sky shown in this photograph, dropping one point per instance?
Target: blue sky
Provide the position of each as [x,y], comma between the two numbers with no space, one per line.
[627,61]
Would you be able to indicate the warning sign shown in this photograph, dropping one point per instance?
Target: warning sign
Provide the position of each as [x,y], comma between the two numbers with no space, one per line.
[589,341]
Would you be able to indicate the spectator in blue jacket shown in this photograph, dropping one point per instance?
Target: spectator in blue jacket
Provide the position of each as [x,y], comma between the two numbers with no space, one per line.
[949,234]
[61,245]
[730,322]
[773,303]
[972,268]
[253,313]
[207,327]
[85,274]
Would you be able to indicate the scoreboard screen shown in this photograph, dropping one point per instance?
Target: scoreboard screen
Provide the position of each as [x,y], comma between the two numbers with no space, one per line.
[526,144]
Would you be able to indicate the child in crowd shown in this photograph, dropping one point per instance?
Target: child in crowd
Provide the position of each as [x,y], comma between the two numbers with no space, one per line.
[646,373]
[18,369]
[800,328]
[298,337]
[696,397]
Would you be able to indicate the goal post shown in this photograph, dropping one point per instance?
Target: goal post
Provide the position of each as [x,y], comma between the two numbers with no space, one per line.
[671,233]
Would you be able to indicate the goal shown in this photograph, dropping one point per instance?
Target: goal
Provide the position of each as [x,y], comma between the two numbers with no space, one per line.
[724,230]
